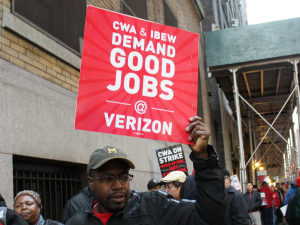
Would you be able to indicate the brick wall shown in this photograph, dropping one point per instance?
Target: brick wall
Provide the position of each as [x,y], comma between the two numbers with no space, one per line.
[113,5]
[29,56]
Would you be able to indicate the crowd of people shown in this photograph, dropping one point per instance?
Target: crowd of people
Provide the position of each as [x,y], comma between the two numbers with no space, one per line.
[206,197]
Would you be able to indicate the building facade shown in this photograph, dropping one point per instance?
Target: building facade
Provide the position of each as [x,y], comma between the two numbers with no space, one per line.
[223,14]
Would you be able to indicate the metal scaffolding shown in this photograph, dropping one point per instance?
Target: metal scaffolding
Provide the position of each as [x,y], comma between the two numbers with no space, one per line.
[276,158]
[256,68]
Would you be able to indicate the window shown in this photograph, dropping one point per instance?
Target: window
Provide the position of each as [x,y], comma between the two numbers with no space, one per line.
[61,20]
[170,18]
[137,8]
[56,182]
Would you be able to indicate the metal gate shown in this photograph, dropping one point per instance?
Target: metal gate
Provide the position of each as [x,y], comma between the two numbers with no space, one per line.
[55,188]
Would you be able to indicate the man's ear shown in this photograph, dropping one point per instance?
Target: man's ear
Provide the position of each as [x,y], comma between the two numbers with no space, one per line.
[90,181]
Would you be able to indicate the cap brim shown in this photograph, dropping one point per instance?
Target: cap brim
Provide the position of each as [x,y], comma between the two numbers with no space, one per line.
[129,163]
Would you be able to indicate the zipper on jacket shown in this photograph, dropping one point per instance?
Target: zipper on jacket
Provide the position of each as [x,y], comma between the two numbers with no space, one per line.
[99,218]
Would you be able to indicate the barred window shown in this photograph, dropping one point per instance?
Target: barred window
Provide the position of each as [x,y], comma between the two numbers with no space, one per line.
[170,18]
[61,20]
[137,8]
[55,181]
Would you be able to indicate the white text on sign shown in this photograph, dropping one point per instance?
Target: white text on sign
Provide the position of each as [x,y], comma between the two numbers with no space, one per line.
[139,124]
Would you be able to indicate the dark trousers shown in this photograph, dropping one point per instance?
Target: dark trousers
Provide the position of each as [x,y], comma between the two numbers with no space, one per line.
[267,216]
[279,215]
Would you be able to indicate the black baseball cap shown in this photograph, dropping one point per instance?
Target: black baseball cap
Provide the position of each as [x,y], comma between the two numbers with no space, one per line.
[103,155]
[225,172]
[152,183]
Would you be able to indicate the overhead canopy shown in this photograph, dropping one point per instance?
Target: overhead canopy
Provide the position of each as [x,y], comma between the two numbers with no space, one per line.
[264,77]
[253,42]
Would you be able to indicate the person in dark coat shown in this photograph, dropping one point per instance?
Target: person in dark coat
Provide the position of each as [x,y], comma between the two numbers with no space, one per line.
[188,188]
[278,211]
[253,201]
[80,202]
[83,200]
[237,207]
[292,215]
[12,218]
[109,178]
[289,215]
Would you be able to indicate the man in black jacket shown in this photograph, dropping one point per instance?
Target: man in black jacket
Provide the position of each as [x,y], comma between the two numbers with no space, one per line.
[83,200]
[237,208]
[253,200]
[8,215]
[109,178]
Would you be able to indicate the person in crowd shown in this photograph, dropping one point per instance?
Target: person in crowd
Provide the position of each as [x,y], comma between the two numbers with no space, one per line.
[253,201]
[109,178]
[28,205]
[154,185]
[9,216]
[255,188]
[83,200]
[276,204]
[293,209]
[284,189]
[267,212]
[279,192]
[80,202]
[278,211]
[188,188]
[172,183]
[237,208]
[290,192]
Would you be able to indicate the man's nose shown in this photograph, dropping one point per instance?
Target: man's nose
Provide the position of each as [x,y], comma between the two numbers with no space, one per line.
[117,184]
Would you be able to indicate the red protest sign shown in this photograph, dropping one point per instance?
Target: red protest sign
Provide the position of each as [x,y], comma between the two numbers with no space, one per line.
[137,78]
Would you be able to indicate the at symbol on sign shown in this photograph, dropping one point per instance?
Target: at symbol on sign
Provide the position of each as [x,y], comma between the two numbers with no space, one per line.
[140,107]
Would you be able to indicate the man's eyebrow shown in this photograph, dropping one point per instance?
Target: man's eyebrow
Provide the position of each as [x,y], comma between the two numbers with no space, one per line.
[112,174]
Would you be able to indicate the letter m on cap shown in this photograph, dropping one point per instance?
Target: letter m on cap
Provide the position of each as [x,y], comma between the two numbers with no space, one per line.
[111,150]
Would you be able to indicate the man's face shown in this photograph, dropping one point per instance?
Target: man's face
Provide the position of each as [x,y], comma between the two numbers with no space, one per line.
[169,187]
[227,182]
[156,188]
[249,187]
[113,196]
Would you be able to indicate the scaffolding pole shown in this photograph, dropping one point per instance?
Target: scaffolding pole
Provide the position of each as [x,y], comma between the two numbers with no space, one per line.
[251,146]
[240,132]
[254,137]
[296,81]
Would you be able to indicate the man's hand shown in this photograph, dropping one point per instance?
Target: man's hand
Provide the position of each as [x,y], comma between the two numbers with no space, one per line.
[199,134]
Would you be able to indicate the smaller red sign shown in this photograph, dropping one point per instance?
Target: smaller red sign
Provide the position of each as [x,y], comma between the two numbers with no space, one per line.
[261,178]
